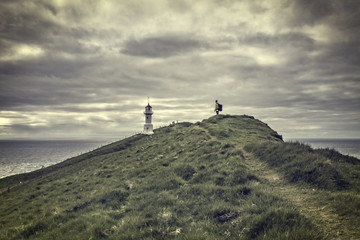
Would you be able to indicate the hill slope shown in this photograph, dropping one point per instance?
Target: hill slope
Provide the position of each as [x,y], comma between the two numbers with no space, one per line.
[225,177]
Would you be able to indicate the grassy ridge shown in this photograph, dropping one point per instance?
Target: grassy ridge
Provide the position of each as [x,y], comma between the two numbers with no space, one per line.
[187,181]
[335,176]
[325,168]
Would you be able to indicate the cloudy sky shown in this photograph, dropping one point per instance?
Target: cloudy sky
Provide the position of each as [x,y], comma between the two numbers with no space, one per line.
[84,69]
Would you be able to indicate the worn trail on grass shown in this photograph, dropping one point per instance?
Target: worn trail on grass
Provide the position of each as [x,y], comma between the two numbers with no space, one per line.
[303,199]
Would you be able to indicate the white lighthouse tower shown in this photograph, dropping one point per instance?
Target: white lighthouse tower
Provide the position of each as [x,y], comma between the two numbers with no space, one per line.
[148,127]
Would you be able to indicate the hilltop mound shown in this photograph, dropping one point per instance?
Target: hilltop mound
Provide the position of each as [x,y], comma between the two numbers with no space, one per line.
[204,180]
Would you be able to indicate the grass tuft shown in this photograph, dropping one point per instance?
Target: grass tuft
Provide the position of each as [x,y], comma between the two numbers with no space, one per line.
[186,172]
[280,224]
[300,163]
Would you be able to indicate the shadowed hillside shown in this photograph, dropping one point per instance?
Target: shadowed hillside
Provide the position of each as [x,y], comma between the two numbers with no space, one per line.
[227,177]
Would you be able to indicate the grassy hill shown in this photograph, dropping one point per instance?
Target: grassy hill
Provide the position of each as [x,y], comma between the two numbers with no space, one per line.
[227,177]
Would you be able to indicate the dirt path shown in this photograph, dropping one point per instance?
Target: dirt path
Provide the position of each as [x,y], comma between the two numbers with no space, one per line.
[303,199]
[324,217]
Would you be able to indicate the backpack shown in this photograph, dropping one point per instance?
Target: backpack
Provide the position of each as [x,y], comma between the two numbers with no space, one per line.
[220,107]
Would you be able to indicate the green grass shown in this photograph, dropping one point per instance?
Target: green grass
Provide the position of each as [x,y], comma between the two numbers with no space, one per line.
[188,181]
[324,169]
[333,177]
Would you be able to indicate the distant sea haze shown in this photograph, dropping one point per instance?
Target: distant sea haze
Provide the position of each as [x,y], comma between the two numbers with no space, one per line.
[25,156]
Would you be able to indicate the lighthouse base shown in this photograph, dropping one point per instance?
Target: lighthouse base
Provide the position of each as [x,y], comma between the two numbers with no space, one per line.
[148,128]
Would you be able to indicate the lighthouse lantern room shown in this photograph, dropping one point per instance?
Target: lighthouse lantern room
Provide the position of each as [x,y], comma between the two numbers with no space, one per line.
[148,127]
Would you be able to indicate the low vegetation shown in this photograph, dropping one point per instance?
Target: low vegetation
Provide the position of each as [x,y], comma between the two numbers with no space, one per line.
[187,181]
[324,169]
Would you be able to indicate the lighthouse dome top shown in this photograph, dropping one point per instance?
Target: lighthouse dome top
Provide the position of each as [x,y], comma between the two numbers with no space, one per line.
[148,106]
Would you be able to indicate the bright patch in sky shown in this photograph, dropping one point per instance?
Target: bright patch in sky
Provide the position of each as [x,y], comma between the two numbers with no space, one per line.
[23,52]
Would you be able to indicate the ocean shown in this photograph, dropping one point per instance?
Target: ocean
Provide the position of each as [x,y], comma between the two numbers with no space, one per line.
[25,156]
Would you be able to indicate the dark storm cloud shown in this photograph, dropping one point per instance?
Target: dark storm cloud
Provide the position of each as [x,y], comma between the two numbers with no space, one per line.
[309,12]
[343,16]
[5,47]
[163,46]
[289,88]
[35,23]
[47,66]
[53,81]
[294,39]
[343,13]
[53,91]
[32,91]
[341,56]
[20,23]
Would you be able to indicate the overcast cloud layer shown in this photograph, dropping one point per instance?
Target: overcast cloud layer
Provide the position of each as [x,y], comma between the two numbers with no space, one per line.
[84,69]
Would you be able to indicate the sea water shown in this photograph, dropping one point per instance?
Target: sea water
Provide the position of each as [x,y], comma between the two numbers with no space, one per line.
[26,156]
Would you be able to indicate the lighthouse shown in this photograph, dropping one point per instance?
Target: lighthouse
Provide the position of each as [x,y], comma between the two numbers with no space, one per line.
[148,127]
